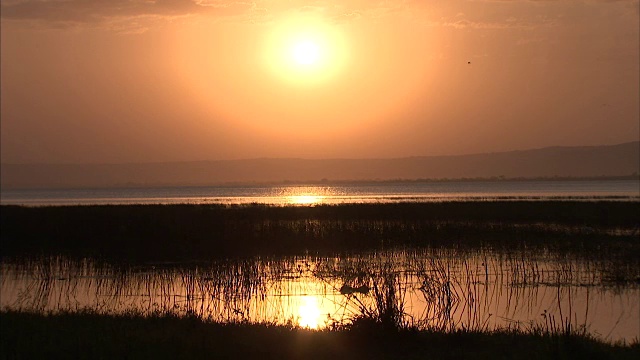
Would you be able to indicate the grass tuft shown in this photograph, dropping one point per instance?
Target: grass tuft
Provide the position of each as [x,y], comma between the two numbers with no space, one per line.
[91,336]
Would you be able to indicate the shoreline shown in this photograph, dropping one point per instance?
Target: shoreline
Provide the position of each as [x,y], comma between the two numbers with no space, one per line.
[336,182]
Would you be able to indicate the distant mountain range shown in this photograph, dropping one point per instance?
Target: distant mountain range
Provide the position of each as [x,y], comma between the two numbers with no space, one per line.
[584,161]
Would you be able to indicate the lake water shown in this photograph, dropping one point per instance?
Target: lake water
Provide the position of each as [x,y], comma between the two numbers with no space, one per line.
[333,194]
[439,290]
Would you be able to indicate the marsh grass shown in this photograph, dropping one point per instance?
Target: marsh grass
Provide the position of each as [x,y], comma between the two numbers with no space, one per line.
[205,310]
[456,287]
[182,233]
[88,336]
[203,268]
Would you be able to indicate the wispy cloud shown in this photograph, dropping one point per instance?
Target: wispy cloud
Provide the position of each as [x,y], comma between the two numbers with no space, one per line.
[92,11]
[103,10]
[509,23]
[60,12]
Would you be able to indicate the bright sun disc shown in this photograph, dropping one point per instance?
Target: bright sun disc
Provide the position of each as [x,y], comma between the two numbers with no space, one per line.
[306,52]
[305,49]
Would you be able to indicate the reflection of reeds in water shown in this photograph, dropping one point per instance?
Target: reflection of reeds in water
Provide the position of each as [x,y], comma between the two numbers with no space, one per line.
[440,290]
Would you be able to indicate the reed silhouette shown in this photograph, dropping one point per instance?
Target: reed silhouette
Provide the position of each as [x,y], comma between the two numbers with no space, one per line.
[143,233]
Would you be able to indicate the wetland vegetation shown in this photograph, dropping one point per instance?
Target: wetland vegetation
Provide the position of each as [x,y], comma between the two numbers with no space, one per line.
[75,335]
[534,279]
[145,233]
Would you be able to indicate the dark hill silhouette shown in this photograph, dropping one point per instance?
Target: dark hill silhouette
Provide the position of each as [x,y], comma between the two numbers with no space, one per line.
[585,161]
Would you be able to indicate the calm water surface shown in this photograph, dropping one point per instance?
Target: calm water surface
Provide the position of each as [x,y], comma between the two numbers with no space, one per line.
[433,289]
[378,193]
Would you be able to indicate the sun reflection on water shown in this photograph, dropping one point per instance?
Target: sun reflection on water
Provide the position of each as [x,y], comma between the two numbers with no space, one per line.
[483,291]
[306,195]
[309,313]
[305,199]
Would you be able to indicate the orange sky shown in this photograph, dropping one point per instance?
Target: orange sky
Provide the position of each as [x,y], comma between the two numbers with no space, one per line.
[111,81]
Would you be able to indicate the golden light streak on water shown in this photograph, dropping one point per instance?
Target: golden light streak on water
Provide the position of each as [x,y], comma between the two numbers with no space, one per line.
[309,313]
[476,291]
[307,195]
[305,199]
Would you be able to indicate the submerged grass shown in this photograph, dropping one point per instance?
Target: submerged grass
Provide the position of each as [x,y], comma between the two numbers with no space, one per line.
[143,233]
[91,336]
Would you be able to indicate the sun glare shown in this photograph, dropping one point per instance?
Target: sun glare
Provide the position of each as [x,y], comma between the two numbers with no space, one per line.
[305,199]
[306,52]
[309,313]
[307,195]
[305,49]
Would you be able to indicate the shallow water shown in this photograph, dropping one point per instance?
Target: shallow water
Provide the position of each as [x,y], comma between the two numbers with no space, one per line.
[431,289]
[622,190]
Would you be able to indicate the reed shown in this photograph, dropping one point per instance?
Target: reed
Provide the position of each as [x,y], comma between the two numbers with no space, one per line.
[182,233]
[449,281]
[457,288]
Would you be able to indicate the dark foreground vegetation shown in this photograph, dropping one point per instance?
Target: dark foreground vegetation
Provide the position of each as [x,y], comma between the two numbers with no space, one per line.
[91,336]
[130,235]
[146,233]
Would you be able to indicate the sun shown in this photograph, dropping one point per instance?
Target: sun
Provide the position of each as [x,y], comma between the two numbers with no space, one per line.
[305,50]
[308,53]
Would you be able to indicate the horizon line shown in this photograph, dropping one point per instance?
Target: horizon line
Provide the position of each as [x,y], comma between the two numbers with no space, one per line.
[316,159]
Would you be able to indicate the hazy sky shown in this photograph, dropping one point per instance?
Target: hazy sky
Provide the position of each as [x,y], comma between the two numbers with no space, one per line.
[87,81]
